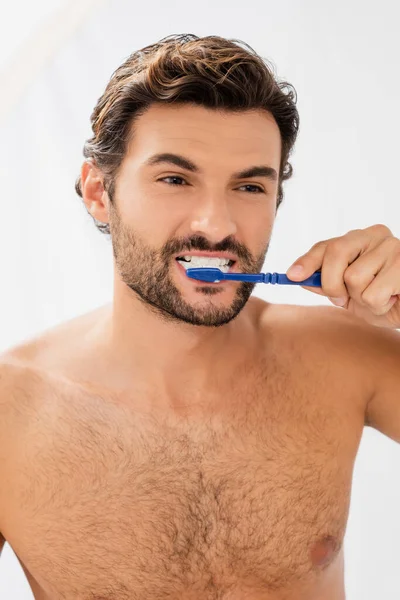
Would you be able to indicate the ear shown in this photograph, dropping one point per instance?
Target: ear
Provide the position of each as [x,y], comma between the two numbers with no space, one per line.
[94,195]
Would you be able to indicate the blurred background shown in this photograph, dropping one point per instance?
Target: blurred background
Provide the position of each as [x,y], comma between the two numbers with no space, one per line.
[343,60]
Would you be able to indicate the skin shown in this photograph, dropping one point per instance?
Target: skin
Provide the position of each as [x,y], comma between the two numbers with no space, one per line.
[151,221]
[73,397]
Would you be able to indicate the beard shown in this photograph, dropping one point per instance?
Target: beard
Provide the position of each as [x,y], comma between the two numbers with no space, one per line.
[148,273]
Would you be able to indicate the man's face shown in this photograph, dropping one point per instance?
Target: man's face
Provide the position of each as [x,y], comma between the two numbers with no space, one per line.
[162,211]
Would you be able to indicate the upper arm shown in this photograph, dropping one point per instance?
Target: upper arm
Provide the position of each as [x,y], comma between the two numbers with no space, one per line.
[4,409]
[372,355]
[10,378]
[2,445]
[383,408]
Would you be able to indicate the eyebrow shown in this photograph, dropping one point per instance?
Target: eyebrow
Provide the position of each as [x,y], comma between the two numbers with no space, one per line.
[185,163]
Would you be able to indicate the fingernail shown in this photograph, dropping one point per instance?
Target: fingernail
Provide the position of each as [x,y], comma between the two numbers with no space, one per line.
[297,270]
[338,301]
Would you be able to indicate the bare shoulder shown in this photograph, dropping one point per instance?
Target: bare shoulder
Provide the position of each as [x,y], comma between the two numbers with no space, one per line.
[356,336]
[18,395]
[54,339]
[19,390]
[322,321]
[12,375]
[313,328]
[308,321]
[363,354]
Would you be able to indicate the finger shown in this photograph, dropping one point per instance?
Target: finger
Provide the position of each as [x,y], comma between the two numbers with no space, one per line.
[355,242]
[316,290]
[366,269]
[336,301]
[308,263]
[384,291]
[339,254]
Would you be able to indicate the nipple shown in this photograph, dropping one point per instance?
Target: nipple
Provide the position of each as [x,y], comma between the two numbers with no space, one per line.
[323,550]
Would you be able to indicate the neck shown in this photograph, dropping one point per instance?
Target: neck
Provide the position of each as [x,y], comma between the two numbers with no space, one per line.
[140,346]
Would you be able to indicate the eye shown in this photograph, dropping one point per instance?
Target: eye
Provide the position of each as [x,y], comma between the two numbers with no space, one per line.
[171,177]
[257,187]
[248,185]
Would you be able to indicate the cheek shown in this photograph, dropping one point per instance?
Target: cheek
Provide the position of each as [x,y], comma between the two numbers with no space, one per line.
[260,225]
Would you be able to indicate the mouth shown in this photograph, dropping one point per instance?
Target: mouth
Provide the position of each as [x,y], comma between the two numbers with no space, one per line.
[226,266]
[196,262]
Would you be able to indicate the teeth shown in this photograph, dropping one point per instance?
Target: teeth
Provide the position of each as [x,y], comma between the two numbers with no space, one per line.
[223,268]
[191,262]
[206,260]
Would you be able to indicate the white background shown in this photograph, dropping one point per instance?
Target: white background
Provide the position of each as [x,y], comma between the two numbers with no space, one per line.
[343,59]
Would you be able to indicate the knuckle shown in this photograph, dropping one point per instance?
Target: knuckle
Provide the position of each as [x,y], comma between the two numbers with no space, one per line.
[352,276]
[391,242]
[336,243]
[318,245]
[376,306]
[336,247]
[381,228]
[371,304]
[366,299]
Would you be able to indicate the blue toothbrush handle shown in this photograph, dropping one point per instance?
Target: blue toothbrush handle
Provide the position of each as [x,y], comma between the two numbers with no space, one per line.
[215,275]
[281,278]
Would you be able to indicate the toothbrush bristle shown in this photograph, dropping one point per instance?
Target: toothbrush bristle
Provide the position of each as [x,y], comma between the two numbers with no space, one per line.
[205,274]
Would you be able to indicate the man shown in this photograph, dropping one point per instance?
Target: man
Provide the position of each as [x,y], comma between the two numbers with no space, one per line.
[188,440]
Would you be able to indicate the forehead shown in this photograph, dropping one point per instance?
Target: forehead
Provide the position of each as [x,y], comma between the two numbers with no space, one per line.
[202,131]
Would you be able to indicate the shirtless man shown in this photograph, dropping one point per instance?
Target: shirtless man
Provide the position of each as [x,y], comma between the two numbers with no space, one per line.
[189,441]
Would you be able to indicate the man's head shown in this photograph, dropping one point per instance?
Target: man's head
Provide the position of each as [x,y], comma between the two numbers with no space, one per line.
[216,105]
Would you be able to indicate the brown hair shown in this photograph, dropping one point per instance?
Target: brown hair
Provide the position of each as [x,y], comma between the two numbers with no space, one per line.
[210,71]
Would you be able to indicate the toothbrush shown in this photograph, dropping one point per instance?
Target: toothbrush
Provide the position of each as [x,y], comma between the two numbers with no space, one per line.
[216,275]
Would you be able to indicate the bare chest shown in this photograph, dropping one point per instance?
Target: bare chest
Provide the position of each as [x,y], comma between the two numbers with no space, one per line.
[112,504]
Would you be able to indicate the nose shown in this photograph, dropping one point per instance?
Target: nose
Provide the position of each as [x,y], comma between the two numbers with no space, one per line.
[213,220]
